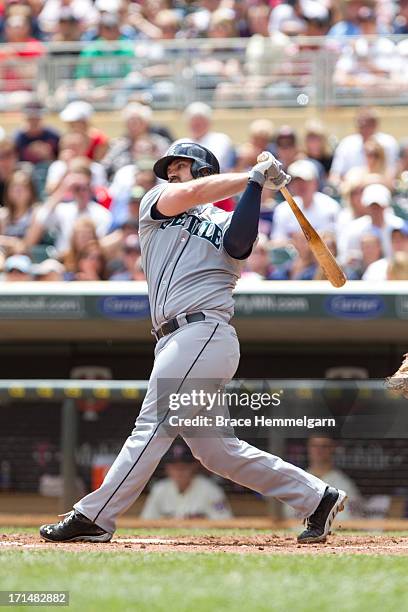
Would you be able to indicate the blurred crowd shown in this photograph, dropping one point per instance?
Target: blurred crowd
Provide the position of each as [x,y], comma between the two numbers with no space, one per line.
[124,51]
[87,20]
[70,201]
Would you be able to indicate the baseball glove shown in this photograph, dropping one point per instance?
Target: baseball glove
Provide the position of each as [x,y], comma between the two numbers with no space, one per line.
[399,380]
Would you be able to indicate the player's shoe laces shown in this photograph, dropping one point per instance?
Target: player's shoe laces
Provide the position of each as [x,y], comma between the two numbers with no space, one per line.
[318,524]
[75,527]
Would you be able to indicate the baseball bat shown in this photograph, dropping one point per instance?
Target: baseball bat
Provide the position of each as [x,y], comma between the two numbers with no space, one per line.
[320,250]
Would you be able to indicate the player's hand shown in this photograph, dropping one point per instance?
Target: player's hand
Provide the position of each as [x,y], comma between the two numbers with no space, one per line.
[272,170]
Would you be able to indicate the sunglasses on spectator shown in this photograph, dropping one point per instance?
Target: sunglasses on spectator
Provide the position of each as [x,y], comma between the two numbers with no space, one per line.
[372,154]
[80,188]
[285,145]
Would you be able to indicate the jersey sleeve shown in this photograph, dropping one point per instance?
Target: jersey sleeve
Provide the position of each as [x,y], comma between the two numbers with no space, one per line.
[148,201]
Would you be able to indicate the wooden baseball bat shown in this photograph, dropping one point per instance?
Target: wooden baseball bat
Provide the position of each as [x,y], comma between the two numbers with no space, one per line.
[320,250]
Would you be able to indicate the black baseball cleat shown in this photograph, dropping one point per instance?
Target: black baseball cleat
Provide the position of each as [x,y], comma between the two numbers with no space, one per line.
[75,527]
[318,524]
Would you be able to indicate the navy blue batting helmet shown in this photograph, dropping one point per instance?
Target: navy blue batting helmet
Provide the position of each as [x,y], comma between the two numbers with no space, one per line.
[204,162]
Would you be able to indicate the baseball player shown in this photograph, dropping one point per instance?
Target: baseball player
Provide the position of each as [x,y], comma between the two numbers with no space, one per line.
[192,255]
[184,493]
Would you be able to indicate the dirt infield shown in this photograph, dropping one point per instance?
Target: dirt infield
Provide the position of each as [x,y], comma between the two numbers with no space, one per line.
[336,544]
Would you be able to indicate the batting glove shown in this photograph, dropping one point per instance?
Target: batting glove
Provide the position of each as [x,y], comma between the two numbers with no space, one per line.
[269,172]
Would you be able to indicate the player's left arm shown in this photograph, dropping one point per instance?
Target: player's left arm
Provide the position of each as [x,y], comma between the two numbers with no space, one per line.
[243,228]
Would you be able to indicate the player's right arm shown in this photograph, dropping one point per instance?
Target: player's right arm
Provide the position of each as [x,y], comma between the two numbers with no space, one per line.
[176,198]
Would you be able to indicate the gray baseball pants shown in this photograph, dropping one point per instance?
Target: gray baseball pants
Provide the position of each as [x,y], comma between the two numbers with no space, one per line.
[207,350]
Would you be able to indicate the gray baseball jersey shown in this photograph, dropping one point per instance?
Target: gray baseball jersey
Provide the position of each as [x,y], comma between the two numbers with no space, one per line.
[186,266]
[188,270]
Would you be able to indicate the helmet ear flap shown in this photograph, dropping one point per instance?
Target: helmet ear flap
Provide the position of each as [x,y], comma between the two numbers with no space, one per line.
[195,169]
[198,170]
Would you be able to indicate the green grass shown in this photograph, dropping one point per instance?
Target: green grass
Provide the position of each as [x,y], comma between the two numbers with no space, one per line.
[203,582]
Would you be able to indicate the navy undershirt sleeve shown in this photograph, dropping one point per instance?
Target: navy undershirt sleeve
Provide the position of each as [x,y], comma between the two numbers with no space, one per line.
[243,229]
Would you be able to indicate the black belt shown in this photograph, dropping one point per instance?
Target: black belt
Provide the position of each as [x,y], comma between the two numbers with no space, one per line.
[173,324]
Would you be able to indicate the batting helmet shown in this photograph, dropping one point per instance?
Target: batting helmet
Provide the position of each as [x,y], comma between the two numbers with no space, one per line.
[204,162]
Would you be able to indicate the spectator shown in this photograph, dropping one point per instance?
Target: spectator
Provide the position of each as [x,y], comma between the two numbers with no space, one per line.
[77,116]
[320,209]
[128,177]
[49,270]
[402,170]
[287,14]
[265,54]
[349,25]
[321,462]
[245,158]
[99,189]
[137,118]
[8,164]
[317,146]
[269,260]
[18,30]
[371,249]
[30,10]
[126,209]
[258,265]
[83,232]
[258,20]
[261,135]
[329,238]
[67,29]
[18,211]
[169,24]
[92,263]
[83,10]
[378,271]
[59,215]
[304,266]
[199,118]
[398,267]
[104,62]
[200,19]
[184,493]
[17,268]
[121,189]
[138,272]
[351,191]
[374,156]
[350,151]
[18,60]
[380,219]
[369,63]
[222,24]
[268,205]
[286,146]
[317,23]
[375,164]
[144,175]
[73,146]
[119,8]
[130,257]
[35,142]
[401,19]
